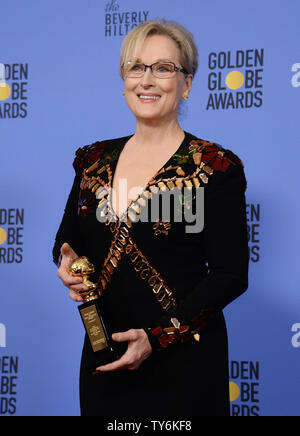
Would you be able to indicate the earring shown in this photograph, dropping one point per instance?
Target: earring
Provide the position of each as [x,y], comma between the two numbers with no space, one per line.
[124,93]
[185,96]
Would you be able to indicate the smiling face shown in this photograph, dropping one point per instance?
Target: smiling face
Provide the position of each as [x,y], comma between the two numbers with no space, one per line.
[151,98]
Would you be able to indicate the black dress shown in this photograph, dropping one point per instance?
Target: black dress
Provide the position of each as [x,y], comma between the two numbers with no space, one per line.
[156,274]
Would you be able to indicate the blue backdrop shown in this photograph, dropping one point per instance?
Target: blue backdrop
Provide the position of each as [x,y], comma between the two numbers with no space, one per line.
[59,90]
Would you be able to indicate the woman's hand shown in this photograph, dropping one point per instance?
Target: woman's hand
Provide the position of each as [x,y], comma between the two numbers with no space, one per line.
[74,284]
[139,349]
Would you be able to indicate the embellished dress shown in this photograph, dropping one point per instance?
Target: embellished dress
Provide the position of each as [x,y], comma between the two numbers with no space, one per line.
[163,274]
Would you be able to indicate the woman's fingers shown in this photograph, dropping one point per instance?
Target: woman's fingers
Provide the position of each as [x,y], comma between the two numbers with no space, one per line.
[138,350]
[130,335]
[129,361]
[114,366]
[67,278]
[67,252]
[75,296]
[79,288]
[74,284]
[63,272]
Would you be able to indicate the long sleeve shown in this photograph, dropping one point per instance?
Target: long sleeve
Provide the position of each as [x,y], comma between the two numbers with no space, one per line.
[226,249]
[68,229]
[225,244]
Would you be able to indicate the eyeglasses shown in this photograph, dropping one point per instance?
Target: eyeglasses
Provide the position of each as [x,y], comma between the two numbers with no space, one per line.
[161,70]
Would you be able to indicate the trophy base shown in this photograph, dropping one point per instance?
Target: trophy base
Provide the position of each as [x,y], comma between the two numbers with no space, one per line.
[99,348]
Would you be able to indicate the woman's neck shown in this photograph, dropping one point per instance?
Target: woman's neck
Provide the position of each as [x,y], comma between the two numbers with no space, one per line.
[154,134]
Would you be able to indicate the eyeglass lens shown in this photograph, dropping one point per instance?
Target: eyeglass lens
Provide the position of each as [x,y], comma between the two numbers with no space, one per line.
[159,69]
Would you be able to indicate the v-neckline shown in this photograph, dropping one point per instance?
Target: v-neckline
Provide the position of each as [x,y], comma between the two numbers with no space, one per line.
[113,168]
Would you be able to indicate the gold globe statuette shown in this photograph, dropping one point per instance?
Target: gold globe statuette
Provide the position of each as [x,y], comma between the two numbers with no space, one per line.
[82,267]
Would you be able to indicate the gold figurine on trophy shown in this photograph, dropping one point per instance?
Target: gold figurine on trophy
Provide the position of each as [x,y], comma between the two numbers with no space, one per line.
[82,267]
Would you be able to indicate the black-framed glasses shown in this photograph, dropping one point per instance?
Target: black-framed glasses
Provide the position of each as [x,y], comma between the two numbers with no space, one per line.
[161,70]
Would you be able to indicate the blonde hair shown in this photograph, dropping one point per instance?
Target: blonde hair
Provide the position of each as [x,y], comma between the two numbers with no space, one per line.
[133,42]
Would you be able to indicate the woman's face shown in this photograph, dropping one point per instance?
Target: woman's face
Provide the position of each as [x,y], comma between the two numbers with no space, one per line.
[166,93]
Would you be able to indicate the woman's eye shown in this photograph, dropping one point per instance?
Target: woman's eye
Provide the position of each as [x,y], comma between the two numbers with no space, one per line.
[137,67]
[164,68]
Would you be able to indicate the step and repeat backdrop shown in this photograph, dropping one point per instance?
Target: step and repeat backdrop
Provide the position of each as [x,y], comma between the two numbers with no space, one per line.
[60,90]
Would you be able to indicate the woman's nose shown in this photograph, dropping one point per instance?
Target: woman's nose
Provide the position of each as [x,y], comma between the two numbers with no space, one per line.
[147,79]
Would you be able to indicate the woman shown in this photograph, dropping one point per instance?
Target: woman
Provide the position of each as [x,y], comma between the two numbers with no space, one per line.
[164,286]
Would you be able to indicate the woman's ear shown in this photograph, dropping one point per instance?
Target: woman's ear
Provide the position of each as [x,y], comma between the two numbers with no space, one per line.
[188,86]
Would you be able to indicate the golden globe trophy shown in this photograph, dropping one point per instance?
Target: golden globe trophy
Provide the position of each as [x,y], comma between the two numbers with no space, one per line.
[101,350]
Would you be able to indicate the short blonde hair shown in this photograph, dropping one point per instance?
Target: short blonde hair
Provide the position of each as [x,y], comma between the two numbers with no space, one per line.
[133,42]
